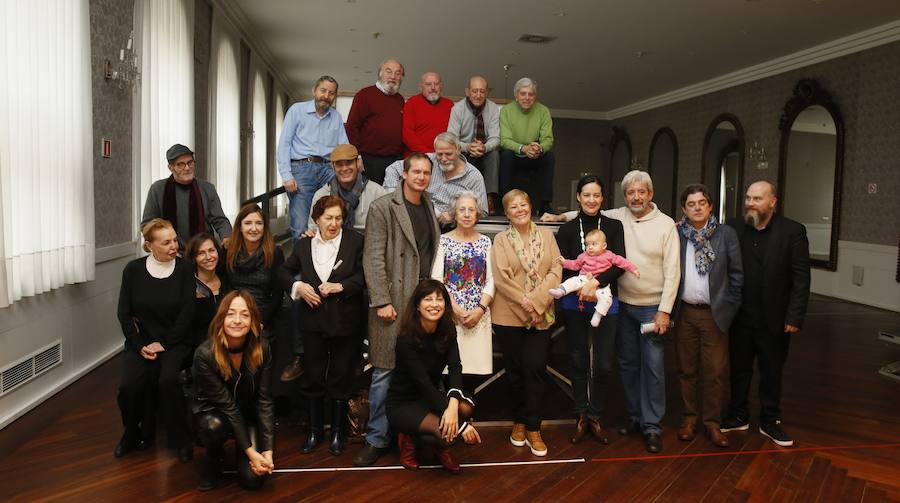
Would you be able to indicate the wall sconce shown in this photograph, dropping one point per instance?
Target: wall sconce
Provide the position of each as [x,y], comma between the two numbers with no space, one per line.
[126,70]
[756,154]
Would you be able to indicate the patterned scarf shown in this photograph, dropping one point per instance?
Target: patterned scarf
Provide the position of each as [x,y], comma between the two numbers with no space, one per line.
[351,197]
[530,259]
[704,255]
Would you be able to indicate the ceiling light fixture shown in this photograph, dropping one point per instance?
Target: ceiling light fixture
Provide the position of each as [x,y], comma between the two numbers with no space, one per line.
[529,38]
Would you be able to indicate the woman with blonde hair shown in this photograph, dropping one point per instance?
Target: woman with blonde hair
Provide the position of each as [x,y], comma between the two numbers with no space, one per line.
[156,308]
[525,268]
[231,382]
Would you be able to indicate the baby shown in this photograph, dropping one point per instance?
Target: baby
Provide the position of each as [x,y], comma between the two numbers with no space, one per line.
[594,260]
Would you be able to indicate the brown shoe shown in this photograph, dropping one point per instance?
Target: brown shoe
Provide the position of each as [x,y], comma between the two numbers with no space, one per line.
[597,431]
[581,428]
[686,433]
[517,438]
[717,437]
[294,370]
[536,443]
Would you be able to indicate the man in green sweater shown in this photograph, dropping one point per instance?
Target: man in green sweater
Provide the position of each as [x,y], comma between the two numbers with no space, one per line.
[526,140]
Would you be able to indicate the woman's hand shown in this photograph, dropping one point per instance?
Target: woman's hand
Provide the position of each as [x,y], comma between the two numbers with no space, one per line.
[147,354]
[528,306]
[259,464]
[472,317]
[268,456]
[327,288]
[470,435]
[459,314]
[588,292]
[155,347]
[306,292]
[449,425]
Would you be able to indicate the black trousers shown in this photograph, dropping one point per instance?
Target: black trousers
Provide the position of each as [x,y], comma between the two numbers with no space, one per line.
[534,176]
[749,341]
[213,429]
[590,372]
[525,359]
[146,383]
[376,166]
[329,365]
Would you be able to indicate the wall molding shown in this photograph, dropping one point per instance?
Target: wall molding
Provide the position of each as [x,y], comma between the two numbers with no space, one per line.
[874,37]
[113,252]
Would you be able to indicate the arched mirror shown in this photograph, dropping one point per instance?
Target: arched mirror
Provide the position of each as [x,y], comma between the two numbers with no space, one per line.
[664,170]
[620,163]
[723,165]
[810,165]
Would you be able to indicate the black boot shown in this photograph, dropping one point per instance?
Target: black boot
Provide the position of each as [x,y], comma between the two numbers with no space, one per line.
[338,434]
[212,468]
[316,426]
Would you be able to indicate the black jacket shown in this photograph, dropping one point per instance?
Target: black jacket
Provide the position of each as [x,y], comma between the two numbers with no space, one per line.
[244,399]
[568,238]
[417,374]
[786,274]
[338,315]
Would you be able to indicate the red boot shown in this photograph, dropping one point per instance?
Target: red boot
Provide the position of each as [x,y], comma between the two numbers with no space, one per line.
[407,451]
[442,453]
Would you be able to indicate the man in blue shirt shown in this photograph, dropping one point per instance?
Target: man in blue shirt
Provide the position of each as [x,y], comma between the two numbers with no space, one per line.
[311,131]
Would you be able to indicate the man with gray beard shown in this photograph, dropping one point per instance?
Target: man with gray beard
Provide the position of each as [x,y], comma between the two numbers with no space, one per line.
[425,115]
[375,122]
[775,256]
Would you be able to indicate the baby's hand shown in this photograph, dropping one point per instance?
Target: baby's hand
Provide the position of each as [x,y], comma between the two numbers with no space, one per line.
[637,273]
[560,259]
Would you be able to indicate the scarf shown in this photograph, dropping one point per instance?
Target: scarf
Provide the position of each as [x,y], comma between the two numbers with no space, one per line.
[196,213]
[351,197]
[704,255]
[479,120]
[530,259]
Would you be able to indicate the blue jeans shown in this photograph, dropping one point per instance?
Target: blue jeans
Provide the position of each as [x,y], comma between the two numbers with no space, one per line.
[642,367]
[378,433]
[310,176]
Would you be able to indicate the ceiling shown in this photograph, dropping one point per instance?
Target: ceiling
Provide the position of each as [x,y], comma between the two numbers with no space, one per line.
[607,54]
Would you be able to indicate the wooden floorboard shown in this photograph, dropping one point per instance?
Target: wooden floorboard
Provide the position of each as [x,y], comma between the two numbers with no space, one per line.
[834,400]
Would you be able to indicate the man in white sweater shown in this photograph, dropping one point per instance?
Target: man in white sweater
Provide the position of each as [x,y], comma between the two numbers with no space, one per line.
[651,242]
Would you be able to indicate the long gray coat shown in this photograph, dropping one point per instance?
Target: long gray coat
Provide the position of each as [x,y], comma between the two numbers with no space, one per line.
[391,265]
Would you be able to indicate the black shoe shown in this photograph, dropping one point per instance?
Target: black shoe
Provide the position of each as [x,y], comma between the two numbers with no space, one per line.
[630,429]
[293,370]
[776,434]
[122,448]
[211,470]
[338,417]
[143,445]
[732,423]
[369,455]
[653,442]
[186,453]
[316,426]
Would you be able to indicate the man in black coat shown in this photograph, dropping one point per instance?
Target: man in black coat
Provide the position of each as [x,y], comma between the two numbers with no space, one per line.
[775,256]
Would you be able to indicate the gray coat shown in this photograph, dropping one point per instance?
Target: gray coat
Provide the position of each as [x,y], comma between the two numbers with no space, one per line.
[217,223]
[391,265]
[726,276]
[462,124]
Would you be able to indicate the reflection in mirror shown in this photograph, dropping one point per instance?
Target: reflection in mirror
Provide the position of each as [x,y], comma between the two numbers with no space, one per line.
[620,148]
[723,165]
[663,170]
[809,178]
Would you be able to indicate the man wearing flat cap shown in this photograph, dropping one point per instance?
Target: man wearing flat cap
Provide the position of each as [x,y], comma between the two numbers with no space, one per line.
[192,205]
[351,185]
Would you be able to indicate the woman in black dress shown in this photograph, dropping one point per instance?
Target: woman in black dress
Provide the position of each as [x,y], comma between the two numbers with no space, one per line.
[416,407]
[232,372]
[156,307]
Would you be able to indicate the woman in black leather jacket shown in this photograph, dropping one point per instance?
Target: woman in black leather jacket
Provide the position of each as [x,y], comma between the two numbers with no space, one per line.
[231,382]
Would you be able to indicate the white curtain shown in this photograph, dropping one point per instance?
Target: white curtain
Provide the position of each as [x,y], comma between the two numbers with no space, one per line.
[46,165]
[259,142]
[167,86]
[279,204]
[225,118]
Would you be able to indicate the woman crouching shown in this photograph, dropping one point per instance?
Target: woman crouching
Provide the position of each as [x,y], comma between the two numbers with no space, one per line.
[416,408]
[231,381]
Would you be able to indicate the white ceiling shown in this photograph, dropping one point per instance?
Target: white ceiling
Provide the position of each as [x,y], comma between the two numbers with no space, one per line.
[593,65]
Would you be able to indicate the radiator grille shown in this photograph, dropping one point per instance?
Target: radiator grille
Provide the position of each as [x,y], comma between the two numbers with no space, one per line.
[29,367]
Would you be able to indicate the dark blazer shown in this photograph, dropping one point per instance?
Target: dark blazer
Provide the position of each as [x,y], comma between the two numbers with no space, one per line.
[726,276]
[340,314]
[786,272]
[568,237]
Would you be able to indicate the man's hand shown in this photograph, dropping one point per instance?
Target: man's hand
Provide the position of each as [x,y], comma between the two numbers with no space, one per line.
[387,313]
[290,185]
[662,322]
[476,148]
[791,329]
[444,218]
[309,233]
[550,217]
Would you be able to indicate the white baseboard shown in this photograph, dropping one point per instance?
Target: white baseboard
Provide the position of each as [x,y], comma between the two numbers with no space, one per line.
[879,288]
[39,399]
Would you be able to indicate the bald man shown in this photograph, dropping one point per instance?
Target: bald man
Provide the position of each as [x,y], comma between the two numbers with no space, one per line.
[476,121]
[775,256]
[425,115]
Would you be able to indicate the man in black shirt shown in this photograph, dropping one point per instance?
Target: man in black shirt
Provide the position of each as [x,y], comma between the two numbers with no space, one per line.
[775,255]
[401,237]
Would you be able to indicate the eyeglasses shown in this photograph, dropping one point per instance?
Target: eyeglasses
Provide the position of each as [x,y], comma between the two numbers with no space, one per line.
[183,165]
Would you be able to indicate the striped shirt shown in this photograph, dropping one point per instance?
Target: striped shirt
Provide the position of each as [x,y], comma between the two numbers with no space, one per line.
[441,189]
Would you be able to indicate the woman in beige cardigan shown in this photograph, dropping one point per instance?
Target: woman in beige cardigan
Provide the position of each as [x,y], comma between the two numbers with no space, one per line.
[524,271]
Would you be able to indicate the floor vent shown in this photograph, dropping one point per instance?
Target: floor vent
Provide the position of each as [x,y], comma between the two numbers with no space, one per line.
[33,365]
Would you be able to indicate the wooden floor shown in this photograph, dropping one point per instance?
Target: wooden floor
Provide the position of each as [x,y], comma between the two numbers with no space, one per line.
[845,419]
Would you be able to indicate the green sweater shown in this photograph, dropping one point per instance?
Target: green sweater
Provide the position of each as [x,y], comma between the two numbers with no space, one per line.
[518,127]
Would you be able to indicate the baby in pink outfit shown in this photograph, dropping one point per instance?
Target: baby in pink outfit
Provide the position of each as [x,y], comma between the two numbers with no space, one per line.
[594,260]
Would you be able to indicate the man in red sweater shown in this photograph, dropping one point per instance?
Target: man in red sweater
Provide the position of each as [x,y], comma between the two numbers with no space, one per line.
[425,115]
[375,122]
